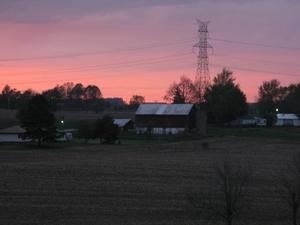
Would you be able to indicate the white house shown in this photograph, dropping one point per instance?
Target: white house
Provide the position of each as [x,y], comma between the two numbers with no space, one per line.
[12,134]
[287,120]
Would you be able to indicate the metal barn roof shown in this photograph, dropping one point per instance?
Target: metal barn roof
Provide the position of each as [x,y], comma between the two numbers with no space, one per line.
[121,122]
[287,116]
[164,109]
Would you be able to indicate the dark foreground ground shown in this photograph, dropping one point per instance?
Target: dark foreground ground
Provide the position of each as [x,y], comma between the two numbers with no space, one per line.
[137,184]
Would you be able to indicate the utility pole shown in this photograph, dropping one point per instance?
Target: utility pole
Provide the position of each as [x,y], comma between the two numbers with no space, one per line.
[202,79]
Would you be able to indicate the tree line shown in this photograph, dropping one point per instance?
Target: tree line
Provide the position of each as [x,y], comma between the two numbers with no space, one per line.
[69,96]
[224,100]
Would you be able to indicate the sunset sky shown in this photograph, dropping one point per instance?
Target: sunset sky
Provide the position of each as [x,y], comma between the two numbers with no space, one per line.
[139,47]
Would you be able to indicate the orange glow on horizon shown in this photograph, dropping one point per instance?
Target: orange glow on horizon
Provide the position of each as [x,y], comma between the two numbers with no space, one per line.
[151,85]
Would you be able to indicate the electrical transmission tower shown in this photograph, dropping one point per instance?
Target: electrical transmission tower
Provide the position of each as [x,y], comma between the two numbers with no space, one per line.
[202,79]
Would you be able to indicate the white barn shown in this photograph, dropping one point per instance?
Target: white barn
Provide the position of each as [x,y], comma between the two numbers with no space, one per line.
[287,120]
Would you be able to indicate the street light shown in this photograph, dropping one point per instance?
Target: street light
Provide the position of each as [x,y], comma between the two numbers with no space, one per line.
[276,117]
[62,122]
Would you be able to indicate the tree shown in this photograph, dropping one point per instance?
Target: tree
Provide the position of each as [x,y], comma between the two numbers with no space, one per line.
[268,96]
[76,96]
[290,187]
[84,130]
[182,92]
[233,181]
[66,89]
[37,119]
[28,94]
[224,100]
[105,128]
[54,96]
[9,97]
[92,92]
[77,91]
[231,196]
[93,98]
[178,97]
[271,119]
[290,103]
[135,101]
[224,78]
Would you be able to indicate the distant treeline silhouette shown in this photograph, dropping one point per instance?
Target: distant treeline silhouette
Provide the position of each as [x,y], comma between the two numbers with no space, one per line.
[69,96]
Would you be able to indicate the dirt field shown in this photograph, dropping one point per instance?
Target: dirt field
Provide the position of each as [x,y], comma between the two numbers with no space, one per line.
[136,184]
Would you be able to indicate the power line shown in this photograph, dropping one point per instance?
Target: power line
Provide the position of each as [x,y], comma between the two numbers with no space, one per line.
[97,76]
[155,45]
[257,71]
[261,45]
[110,65]
[255,60]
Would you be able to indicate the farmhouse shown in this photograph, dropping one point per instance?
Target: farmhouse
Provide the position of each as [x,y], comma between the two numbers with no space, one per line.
[287,120]
[166,118]
[125,124]
[12,134]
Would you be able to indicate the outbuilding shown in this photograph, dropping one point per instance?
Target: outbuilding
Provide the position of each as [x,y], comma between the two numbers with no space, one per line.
[12,134]
[287,120]
[125,124]
[165,118]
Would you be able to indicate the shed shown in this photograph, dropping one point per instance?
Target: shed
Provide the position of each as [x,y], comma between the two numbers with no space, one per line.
[287,120]
[165,118]
[12,134]
[125,124]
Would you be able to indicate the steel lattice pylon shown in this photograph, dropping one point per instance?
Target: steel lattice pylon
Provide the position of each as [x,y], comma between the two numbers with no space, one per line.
[202,79]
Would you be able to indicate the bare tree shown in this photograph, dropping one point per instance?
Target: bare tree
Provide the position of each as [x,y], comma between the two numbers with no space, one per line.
[182,92]
[233,181]
[290,184]
[230,197]
[135,102]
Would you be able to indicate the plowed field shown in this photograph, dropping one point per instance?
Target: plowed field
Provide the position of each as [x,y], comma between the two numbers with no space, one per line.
[137,184]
